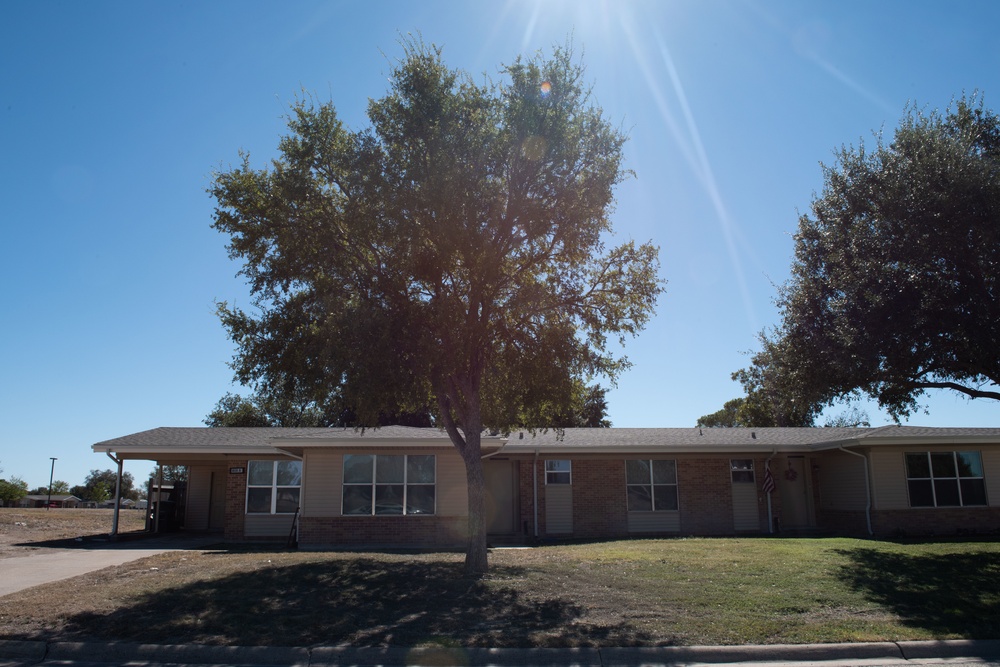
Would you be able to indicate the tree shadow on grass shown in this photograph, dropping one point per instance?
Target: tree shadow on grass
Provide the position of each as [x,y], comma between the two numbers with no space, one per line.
[949,595]
[362,602]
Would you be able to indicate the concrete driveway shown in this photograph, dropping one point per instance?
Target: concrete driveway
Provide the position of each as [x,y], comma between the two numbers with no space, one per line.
[43,566]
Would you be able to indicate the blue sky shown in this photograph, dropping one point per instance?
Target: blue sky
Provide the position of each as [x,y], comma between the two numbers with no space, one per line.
[114,115]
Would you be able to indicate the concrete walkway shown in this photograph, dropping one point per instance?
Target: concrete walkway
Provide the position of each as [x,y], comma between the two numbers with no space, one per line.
[43,566]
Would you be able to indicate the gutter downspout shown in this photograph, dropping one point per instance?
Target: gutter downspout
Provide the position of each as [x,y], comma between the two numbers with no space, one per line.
[118,495]
[492,454]
[159,497]
[534,490]
[770,514]
[868,489]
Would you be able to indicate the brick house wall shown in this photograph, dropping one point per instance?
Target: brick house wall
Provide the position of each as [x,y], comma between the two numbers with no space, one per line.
[599,500]
[384,531]
[937,521]
[599,507]
[236,497]
[843,522]
[705,496]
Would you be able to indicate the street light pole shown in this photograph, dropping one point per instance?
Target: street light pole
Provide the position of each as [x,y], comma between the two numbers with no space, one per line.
[52,473]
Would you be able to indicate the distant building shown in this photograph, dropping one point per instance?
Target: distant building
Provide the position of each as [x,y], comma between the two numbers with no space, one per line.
[61,500]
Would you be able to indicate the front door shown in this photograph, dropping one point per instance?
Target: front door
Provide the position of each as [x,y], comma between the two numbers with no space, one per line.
[217,503]
[501,488]
[794,488]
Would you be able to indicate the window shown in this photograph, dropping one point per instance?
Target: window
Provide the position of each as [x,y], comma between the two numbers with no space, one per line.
[651,485]
[945,479]
[558,472]
[273,487]
[389,484]
[742,470]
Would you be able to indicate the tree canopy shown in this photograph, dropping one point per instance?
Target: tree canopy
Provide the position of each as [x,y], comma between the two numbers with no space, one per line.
[588,409]
[894,287]
[727,417]
[453,253]
[12,490]
[100,486]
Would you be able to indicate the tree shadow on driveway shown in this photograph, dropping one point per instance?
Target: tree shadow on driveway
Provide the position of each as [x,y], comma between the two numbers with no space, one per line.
[359,601]
[954,595]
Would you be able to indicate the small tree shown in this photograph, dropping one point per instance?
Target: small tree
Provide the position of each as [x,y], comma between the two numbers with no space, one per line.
[107,479]
[12,490]
[99,492]
[171,475]
[452,254]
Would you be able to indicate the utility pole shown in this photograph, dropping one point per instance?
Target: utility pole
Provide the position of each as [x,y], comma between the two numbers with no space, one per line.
[52,473]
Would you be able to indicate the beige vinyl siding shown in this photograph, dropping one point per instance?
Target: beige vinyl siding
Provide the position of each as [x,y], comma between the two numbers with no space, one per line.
[452,488]
[889,474]
[991,470]
[199,496]
[267,525]
[745,516]
[199,492]
[558,509]
[842,482]
[654,522]
[889,480]
[323,477]
[322,480]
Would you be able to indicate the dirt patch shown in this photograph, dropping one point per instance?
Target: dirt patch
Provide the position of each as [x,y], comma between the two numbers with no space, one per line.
[23,531]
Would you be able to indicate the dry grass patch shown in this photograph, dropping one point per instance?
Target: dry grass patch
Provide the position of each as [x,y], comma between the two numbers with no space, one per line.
[23,531]
[649,592]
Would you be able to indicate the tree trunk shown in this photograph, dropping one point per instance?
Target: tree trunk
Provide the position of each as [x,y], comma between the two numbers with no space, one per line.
[475,553]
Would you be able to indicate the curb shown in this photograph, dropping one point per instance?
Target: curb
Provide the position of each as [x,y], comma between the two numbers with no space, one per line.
[28,652]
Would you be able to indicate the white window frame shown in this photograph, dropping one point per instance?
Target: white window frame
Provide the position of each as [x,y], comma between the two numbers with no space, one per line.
[273,486]
[932,478]
[652,487]
[554,472]
[734,469]
[374,484]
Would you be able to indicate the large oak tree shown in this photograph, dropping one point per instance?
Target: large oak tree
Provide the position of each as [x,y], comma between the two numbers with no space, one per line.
[454,251]
[895,286]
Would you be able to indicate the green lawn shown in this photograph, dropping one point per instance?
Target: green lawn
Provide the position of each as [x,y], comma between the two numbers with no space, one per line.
[643,592]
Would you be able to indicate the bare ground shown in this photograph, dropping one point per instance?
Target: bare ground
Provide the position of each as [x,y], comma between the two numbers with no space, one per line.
[23,531]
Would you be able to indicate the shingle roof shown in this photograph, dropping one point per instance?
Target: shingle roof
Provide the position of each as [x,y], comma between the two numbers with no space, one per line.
[702,439]
[575,439]
[182,437]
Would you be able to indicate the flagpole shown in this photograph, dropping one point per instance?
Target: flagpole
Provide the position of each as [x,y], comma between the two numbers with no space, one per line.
[769,489]
[770,519]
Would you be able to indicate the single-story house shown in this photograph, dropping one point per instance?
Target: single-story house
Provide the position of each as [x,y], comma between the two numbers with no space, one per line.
[400,486]
[56,500]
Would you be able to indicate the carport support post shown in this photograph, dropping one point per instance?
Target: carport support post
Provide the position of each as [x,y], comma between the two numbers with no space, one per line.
[118,495]
[159,497]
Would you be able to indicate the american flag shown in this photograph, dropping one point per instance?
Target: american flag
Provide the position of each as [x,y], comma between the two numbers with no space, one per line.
[768,480]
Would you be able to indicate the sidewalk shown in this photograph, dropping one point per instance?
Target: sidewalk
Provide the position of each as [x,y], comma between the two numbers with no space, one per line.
[32,652]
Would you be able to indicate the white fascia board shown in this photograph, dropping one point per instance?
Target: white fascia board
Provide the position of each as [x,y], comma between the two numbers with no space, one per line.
[544,450]
[228,451]
[364,441]
[837,444]
[356,443]
[932,440]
